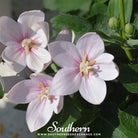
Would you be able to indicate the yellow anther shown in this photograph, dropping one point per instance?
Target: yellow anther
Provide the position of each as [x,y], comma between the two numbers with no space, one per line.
[44,94]
[28,44]
[1,128]
[50,98]
[86,67]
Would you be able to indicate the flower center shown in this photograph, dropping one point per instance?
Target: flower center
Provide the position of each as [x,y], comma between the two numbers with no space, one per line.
[86,67]
[28,44]
[44,94]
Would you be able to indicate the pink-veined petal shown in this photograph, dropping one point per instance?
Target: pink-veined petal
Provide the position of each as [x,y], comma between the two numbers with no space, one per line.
[28,18]
[42,33]
[37,58]
[90,44]
[64,35]
[65,82]
[108,71]
[64,54]
[104,58]
[58,104]
[23,92]
[42,79]
[38,114]
[93,89]
[16,56]
[9,30]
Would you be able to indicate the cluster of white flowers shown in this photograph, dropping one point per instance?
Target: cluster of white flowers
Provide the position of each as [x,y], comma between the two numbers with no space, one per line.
[84,66]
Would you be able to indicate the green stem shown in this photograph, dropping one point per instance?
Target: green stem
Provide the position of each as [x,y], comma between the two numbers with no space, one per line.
[122,19]
[128,53]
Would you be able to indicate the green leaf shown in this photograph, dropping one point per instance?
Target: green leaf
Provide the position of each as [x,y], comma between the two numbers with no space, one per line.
[129,77]
[133,43]
[98,8]
[21,107]
[120,132]
[67,5]
[114,124]
[68,115]
[128,123]
[101,1]
[79,25]
[136,23]
[113,9]
[101,24]
[106,122]
[1,88]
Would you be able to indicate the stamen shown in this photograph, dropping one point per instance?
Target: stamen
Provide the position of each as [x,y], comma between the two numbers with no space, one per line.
[91,62]
[86,67]
[34,46]
[35,42]
[26,50]
[50,98]
[28,44]
[84,59]
[44,94]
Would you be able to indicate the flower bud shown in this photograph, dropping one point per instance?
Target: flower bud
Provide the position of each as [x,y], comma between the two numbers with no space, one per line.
[114,23]
[129,29]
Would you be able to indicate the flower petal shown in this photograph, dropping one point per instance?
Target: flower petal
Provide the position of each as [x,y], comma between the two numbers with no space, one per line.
[90,44]
[42,79]
[38,114]
[42,33]
[58,104]
[64,35]
[65,82]
[23,92]
[104,58]
[73,37]
[16,56]
[93,89]
[108,71]
[37,58]
[9,30]
[28,18]
[64,54]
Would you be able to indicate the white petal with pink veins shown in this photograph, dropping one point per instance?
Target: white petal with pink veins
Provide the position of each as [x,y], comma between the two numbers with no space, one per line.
[38,114]
[65,82]
[64,35]
[42,34]
[64,54]
[108,71]
[104,58]
[37,58]
[93,89]
[16,56]
[42,79]
[90,44]
[23,92]
[28,18]
[9,30]
[58,104]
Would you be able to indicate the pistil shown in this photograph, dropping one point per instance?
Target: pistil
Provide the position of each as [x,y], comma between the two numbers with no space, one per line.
[28,44]
[86,67]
